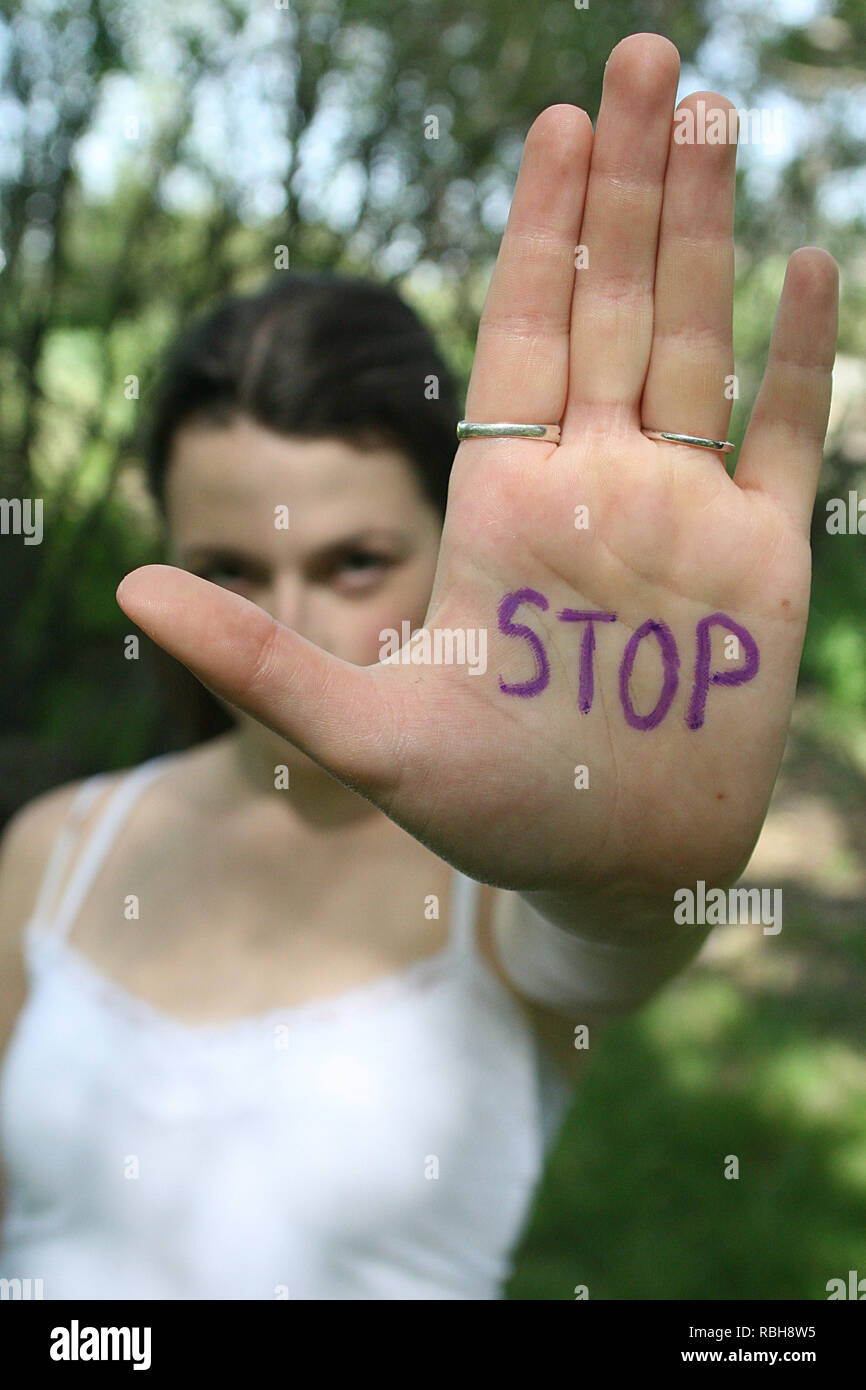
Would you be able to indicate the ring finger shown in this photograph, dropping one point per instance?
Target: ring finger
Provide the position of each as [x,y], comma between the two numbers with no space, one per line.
[688,387]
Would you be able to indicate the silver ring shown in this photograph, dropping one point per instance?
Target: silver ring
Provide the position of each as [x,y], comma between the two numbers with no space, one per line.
[724,446]
[470,429]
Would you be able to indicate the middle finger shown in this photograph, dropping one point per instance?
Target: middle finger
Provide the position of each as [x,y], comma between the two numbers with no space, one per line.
[612,310]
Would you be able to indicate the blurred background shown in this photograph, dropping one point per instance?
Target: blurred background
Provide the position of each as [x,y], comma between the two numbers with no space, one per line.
[154,157]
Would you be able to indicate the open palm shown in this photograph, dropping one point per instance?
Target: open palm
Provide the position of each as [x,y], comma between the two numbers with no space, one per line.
[638,746]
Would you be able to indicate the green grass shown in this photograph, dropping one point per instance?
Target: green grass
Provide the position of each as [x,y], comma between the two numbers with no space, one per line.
[635,1203]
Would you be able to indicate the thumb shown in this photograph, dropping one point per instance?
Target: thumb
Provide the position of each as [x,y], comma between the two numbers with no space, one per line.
[345,717]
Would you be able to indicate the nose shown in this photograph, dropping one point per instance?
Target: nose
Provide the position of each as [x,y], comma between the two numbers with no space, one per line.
[286,600]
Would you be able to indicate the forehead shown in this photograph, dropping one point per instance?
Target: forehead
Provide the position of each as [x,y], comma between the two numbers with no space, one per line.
[222,477]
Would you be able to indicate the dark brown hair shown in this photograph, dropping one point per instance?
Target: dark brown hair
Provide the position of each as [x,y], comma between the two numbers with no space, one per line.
[313,354]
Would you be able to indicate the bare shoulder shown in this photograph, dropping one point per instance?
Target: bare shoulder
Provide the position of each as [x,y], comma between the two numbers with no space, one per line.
[24,849]
[554,1029]
[25,846]
[28,837]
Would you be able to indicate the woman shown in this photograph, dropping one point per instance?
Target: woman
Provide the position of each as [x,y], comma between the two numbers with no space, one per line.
[302,1017]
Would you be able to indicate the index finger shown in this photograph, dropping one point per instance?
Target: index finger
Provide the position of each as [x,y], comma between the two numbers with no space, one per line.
[520,371]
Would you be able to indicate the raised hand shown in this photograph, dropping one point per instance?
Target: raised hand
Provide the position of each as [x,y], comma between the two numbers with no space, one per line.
[676,696]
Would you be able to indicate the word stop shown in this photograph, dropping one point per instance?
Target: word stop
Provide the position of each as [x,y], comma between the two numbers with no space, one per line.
[651,629]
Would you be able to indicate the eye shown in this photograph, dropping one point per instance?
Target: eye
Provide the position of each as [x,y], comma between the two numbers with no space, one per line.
[228,574]
[359,569]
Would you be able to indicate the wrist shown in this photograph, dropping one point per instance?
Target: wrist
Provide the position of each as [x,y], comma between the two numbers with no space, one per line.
[610,916]
[594,964]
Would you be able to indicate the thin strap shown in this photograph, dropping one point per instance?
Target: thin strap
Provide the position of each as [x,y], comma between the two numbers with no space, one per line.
[464,914]
[64,842]
[113,814]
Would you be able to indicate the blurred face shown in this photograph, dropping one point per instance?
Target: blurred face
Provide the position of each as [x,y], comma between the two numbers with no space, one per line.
[359,552]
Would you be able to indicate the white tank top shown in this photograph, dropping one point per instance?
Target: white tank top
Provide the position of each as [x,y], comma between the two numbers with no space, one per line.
[383,1144]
